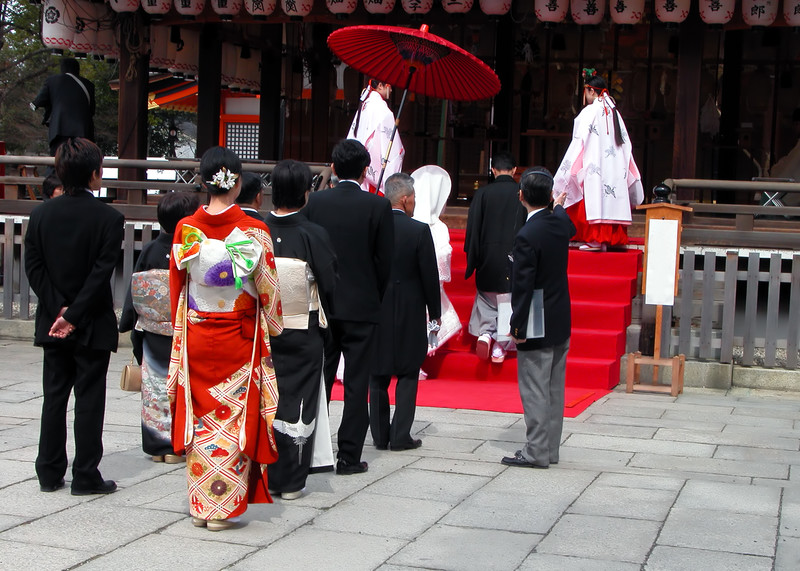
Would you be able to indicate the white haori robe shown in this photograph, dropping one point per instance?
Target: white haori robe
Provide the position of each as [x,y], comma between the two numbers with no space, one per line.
[595,169]
[375,128]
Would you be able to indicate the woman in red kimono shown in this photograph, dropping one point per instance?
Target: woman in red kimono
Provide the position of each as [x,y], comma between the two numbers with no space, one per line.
[222,387]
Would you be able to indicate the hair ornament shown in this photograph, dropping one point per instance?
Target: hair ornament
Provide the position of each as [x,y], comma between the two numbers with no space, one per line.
[588,73]
[224,179]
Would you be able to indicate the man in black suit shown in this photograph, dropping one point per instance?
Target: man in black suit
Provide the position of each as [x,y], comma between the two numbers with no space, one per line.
[250,197]
[495,216]
[403,331]
[71,249]
[68,101]
[540,262]
[362,233]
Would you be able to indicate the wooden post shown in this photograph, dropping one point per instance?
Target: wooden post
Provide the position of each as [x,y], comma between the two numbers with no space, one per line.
[209,80]
[270,116]
[687,105]
[658,211]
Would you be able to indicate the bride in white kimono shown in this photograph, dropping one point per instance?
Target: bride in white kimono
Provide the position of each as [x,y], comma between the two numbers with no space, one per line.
[598,172]
[432,188]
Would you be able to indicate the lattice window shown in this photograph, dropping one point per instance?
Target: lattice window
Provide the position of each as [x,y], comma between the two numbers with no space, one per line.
[242,138]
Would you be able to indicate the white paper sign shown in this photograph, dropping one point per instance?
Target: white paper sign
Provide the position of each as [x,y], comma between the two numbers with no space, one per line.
[662,248]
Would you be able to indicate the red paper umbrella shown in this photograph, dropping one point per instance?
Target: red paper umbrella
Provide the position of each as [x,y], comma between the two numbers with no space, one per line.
[415,60]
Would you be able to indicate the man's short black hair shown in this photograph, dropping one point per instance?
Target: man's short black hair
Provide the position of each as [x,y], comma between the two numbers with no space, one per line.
[76,160]
[70,65]
[350,158]
[173,206]
[251,187]
[49,185]
[536,184]
[290,180]
[503,161]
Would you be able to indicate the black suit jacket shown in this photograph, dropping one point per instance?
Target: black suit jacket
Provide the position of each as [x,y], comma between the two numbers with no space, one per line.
[495,216]
[362,233]
[68,112]
[413,287]
[541,255]
[71,249]
[252,212]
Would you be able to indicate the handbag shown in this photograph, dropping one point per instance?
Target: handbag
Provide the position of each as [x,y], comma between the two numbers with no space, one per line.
[131,379]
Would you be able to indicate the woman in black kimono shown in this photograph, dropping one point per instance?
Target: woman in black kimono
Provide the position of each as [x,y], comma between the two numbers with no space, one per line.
[146,314]
[307,273]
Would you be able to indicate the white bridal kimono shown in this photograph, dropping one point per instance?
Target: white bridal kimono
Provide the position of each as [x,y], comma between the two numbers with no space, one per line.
[598,171]
[375,127]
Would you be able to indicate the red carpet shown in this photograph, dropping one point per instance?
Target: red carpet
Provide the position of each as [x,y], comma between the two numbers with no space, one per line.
[601,288]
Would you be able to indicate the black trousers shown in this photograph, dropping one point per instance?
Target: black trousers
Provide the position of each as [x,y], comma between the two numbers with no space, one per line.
[357,340]
[398,432]
[68,366]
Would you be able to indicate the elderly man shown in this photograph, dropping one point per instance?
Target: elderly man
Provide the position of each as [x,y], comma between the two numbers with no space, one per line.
[373,126]
[403,331]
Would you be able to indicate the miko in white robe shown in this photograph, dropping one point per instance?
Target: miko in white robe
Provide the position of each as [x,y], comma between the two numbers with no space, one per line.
[375,126]
[599,176]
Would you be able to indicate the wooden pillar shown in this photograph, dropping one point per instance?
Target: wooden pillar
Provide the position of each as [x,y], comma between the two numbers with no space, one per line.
[270,115]
[132,110]
[687,104]
[208,88]
[320,94]
[729,108]
[504,67]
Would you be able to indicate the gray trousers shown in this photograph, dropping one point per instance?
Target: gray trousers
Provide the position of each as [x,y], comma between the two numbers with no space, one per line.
[484,314]
[540,374]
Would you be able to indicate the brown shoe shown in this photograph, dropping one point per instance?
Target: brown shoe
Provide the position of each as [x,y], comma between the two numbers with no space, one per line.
[220,524]
[173,459]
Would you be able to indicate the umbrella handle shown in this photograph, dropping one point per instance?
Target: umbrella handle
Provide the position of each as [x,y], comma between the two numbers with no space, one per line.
[385,159]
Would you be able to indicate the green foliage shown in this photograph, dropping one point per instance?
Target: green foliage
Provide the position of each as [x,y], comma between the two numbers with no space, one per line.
[158,125]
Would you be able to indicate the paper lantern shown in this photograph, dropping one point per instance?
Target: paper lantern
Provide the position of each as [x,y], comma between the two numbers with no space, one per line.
[187,54]
[551,10]
[791,12]
[457,6]
[226,8]
[107,44]
[341,6]
[297,8]
[56,34]
[495,7]
[759,12]
[124,5]
[626,11]
[260,8]
[159,48]
[588,12]
[416,6]
[379,6]
[716,11]
[190,8]
[672,11]
[86,18]
[156,7]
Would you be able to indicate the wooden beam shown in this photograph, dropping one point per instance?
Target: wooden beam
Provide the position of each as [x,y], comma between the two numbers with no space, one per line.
[687,104]
[132,110]
[209,81]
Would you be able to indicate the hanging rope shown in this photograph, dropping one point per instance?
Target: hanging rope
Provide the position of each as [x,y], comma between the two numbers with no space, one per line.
[131,37]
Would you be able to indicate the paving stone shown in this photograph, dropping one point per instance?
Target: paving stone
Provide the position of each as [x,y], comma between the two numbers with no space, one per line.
[158,553]
[459,467]
[765,432]
[601,537]
[711,465]
[639,445]
[540,561]
[608,429]
[469,431]
[634,503]
[754,454]
[718,530]
[13,472]
[787,554]
[322,550]
[613,408]
[86,527]
[655,422]
[426,485]
[647,482]
[752,438]
[733,498]
[740,419]
[9,521]
[775,412]
[664,558]
[790,513]
[16,555]
[464,549]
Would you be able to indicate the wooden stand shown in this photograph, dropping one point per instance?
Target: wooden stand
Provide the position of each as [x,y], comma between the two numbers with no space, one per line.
[658,211]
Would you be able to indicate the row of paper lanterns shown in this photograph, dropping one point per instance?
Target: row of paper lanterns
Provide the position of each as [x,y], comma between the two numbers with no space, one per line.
[754,12]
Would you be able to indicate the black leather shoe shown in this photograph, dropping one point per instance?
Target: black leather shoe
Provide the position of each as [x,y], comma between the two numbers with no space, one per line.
[520,461]
[382,446]
[107,487]
[416,443]
[346,469]
[52,488]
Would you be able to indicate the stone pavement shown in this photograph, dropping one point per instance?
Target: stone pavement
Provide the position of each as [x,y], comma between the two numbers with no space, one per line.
[708,480]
